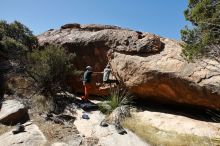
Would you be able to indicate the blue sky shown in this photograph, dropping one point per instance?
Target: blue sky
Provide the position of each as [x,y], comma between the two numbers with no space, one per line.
[162,17]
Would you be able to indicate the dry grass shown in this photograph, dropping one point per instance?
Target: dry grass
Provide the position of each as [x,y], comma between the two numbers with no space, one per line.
[41,103]
[52,131]
[157,137]
[19,85]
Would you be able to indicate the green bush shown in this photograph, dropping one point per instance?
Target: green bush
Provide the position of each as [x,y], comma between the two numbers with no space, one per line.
[50,69]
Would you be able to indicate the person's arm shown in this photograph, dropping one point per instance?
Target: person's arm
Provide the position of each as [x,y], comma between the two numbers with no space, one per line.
[97,72]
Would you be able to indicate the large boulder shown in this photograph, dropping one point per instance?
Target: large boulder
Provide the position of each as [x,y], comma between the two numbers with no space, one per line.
[32,136]
[91,43]
[166,76]
[12,112]
[148,65]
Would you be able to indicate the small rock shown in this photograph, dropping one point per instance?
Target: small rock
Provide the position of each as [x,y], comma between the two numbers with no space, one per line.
[19,128]
[103,124]
[85,116]
[120,129]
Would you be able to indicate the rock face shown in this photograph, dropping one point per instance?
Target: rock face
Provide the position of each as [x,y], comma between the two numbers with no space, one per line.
[180,124]
[91,43]
[12,111]
[166,76]
[148,65]
[32,136]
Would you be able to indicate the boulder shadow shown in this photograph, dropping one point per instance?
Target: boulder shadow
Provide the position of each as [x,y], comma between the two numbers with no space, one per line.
[21,120]
[87,106]
[64,101]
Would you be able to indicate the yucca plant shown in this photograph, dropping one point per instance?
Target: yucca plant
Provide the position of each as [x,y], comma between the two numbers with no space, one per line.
[117,97]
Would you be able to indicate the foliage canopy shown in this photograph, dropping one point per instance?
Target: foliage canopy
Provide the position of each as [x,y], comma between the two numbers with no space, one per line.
[204,36]
[15,40]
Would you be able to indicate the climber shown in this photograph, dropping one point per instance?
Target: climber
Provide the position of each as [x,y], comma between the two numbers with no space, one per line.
[106,74]
[87,77]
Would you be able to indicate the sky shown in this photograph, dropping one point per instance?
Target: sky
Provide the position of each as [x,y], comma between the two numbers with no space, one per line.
[161,17]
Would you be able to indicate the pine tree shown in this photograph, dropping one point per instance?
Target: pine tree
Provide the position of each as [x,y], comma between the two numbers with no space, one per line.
[203,39]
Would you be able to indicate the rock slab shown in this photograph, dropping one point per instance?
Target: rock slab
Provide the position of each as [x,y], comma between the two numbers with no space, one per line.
[12,111]
[32,136]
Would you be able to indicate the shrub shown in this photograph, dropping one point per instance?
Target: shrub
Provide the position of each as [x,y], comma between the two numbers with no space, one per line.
[15,41]
[50,69]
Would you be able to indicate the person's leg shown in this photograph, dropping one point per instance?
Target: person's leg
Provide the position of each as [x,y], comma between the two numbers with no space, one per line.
[87,90]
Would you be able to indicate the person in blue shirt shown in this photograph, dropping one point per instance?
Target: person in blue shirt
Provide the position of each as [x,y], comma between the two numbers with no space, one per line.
[87,79]
[87,76]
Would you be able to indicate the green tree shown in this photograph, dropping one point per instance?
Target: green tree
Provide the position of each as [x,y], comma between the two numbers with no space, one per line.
[204,36]
[15,41]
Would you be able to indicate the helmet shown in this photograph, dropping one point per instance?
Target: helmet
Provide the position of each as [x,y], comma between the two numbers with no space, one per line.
[89,68]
